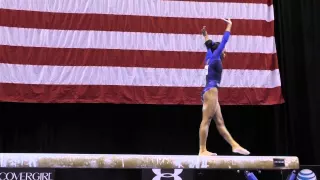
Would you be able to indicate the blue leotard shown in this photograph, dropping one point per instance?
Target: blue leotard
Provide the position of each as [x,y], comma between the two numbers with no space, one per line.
[213,65]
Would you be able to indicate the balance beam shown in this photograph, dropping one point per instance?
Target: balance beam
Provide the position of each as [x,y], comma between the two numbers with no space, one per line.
[120,161]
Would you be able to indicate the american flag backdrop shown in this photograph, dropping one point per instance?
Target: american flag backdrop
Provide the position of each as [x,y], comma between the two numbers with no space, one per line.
[135,51]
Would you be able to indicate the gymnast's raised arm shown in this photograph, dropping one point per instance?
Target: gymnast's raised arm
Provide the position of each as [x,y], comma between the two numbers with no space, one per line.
[208,43]
[225,38]
[205,34]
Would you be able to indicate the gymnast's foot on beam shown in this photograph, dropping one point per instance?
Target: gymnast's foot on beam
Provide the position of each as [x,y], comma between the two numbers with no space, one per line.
[240,150]
[207,153]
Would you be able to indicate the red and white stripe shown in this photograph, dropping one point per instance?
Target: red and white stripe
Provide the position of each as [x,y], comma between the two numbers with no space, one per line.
[134,51]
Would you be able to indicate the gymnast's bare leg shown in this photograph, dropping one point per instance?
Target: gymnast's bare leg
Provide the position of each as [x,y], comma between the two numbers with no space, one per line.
[209,106]
[211,110]
[236,148]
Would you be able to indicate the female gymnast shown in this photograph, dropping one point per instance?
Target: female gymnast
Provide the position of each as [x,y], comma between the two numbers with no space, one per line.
[211,107]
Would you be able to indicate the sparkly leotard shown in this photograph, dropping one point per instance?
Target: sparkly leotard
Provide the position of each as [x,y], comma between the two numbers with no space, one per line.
[213,65]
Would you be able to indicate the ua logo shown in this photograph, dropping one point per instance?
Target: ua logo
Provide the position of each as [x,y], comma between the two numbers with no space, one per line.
[174,175]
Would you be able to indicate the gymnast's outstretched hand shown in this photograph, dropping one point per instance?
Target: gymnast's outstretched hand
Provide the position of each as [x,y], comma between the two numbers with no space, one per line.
[228,21]
[204,31]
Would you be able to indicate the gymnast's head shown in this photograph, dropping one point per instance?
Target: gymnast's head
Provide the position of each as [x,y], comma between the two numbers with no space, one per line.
[213,46]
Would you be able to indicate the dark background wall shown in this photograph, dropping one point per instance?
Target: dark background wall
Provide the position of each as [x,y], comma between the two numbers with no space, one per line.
[147,129]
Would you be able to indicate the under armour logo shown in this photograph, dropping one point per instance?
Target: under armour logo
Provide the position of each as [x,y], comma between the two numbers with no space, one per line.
[174,175]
